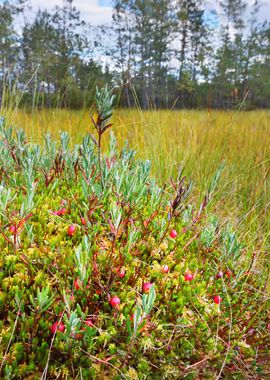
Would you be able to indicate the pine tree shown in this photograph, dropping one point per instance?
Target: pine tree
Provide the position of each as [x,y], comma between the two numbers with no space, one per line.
[8,46]
[67,23]
[227,70]
[124,55]
[39,46]
[145,29]
[162,36]
[193,36]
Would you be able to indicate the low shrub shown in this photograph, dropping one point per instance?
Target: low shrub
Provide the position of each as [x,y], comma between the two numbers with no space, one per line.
[106,275]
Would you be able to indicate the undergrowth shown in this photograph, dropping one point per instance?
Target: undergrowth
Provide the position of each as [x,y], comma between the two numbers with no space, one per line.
[105,273]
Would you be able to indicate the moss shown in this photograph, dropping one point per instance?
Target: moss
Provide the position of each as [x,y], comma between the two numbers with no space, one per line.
[183,326]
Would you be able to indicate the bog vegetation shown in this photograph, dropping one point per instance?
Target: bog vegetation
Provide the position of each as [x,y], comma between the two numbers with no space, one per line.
[139,260]
[106,273]
[198,141]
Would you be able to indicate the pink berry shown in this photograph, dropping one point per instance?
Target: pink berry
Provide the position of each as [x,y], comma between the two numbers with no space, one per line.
[173,234]
[57,326]
[189,277]
[165,269]
[89,322]
[12,229]
[147,286]
[62,211]
[115,302]
[217,299]
[71,230]
[220,274]
[77,284]
[121,273]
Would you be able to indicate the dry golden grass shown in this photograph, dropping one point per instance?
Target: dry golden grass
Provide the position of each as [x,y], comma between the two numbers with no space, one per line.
[197,140]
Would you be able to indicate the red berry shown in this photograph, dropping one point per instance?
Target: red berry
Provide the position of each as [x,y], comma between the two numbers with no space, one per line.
[173,234]
[121,273]
[217,299]
[189,277]
[115,302]
[89,322]
[77,284]
[62,211]
[83,221]
[71,230]
[228,274]
[165,269]
[220,274]
[58,326]
[12,229]
[147,286]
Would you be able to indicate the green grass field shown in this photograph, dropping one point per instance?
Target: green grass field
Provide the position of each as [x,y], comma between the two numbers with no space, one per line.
[198,141]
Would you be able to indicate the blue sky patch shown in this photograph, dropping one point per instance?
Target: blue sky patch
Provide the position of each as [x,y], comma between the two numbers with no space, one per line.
[105,3]
[211,18]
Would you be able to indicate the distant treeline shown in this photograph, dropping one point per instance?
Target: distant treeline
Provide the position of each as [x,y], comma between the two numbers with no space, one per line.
[163,54]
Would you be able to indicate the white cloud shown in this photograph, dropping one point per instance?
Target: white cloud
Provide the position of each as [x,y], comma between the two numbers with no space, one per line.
[95,14]
[90,10]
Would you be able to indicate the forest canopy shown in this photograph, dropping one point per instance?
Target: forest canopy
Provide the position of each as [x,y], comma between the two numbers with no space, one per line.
[162,54]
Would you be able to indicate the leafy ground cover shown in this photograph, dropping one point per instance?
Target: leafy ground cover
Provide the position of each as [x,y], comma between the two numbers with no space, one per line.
[107,274]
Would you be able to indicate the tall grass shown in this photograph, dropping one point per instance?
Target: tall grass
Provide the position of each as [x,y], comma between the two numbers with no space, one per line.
[198,141]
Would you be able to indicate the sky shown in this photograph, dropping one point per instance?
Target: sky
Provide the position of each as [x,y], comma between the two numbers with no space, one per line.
[95,12]
[100,11]
[264,12]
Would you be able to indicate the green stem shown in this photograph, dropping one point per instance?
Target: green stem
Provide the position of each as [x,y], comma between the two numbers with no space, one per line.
[99,160]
